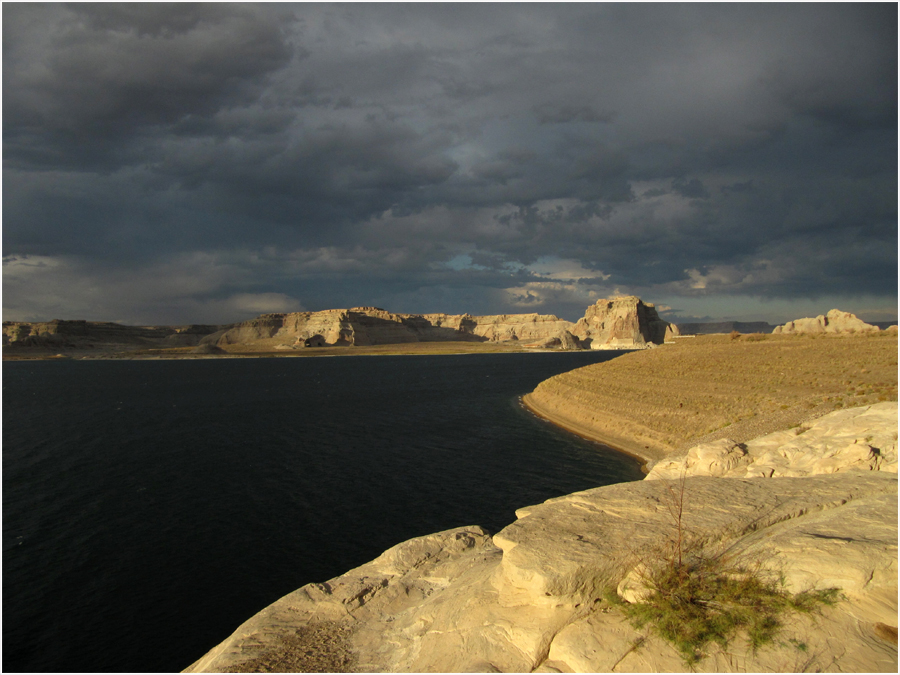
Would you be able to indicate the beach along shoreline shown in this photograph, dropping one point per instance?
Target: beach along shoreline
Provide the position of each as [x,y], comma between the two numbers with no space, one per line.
[628,446]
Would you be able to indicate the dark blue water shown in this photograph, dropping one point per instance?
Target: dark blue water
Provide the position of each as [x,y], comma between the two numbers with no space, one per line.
[150,507]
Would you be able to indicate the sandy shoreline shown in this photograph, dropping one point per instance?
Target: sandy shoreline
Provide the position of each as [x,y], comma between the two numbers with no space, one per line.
[627,446]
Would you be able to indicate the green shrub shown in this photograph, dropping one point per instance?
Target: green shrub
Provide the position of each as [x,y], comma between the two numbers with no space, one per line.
[706,600]
[695,596]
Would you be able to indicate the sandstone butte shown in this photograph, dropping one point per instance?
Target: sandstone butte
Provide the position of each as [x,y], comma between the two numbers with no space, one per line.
[618,323]
[835,321]
[815,504]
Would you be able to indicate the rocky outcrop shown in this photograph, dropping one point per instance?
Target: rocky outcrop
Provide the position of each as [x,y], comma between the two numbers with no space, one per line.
[364,326]
[627,323]
[623,323]
[522,327]
[529,598]
[835,321]
[846,440]
[564,340]
[84,335]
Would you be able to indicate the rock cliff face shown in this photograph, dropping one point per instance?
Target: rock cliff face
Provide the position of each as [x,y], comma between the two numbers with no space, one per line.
[622,323]
[80,335]
[363,326]
[529,598]
[835,321]
[523,327]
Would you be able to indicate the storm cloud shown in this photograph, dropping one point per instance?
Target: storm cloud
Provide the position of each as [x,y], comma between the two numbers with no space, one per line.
[170,163]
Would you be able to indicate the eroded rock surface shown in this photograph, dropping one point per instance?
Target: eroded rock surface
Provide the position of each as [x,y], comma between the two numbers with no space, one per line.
[846,440]
[364,326]
[623,323]
[528,599]
[835,321]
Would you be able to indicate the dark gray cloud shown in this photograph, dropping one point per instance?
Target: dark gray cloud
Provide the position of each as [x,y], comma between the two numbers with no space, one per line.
[85,84]
[691,189]
[552,113]
[222,158]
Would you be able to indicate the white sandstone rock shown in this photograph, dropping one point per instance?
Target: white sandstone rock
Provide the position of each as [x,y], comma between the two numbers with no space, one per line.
[622,323]
[717,458]
[835,321]
[856,439]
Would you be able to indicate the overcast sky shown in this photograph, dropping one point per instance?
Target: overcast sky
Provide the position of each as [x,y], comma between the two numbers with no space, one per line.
[207,163]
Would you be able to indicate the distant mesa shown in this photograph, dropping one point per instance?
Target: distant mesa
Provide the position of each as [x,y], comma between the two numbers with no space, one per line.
[623,323]
[835,321]
[620,323]
[617,323]
[79,335]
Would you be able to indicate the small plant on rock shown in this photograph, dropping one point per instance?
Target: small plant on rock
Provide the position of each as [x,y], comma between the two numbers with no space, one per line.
[694,596]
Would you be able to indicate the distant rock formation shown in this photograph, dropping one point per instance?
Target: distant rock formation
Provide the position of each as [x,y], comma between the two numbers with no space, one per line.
[835,321]
[725,327]
[84,335]
[623,323]
[364,326]
[536,328]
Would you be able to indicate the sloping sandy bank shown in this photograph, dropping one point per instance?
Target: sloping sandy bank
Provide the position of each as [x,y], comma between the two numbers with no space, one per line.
[661,401]
[606,429]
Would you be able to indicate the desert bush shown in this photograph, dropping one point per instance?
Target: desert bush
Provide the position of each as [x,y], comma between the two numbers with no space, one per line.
[735,335]
[696,595]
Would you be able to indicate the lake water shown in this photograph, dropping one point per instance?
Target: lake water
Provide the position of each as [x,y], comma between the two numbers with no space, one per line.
[150,507]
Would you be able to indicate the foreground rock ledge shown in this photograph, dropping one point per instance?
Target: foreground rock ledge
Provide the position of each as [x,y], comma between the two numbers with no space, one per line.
[528,599]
